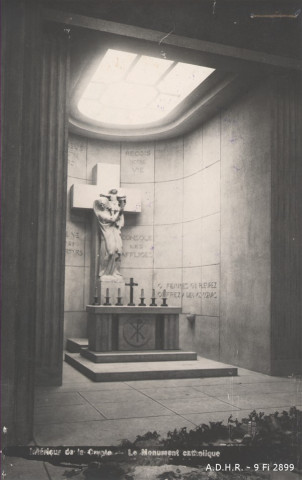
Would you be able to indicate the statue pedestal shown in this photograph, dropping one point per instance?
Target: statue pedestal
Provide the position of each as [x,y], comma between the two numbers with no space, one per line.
[125,328]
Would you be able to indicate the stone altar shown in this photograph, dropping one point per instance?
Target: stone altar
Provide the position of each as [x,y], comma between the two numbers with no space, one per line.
[121,328]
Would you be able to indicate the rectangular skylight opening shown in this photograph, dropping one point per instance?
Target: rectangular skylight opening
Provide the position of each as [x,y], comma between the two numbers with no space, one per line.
[129,89]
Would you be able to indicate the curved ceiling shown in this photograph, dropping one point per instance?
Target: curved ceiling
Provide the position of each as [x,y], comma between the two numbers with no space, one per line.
[126,89]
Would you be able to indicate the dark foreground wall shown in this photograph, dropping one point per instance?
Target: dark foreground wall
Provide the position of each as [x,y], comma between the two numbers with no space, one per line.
[20,119]
[33,210]
[286,226]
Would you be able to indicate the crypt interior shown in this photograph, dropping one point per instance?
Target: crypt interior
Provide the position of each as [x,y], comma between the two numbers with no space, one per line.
[219,225]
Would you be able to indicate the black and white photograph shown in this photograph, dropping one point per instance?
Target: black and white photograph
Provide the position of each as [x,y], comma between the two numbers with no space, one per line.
[151,209]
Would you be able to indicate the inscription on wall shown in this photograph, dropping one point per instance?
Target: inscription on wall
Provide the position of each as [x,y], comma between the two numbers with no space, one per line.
[202,298]
[137,247]
[208,290]
[137,163]
[138,159]
[74,151]
[77,158]
[74,246]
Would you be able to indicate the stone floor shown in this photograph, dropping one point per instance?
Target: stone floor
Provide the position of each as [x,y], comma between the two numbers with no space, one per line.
[82,412]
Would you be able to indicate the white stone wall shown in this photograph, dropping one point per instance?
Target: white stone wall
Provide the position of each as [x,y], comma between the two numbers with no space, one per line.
[77,259]
[201,240]
[83,154]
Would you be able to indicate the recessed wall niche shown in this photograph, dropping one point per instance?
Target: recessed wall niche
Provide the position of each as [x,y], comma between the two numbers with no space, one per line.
[167,244]
[204,233]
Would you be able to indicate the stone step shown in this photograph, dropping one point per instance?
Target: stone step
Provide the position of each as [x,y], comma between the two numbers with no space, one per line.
[142,356]
[74,345]
[120,372]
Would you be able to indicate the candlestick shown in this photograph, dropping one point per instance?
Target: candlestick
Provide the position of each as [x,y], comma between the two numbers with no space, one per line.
[142,304]
[164,304]
[119,300]
[96,300]
[107,297]
[153,304]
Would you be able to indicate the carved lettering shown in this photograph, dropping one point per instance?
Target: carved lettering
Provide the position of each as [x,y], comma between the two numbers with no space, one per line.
[138,153]
[137,245]
[74,149]
[137,160]
[72,234]
[137,254]
[191,290]
[137,238]
[71,251]
[138,169]
[73,243]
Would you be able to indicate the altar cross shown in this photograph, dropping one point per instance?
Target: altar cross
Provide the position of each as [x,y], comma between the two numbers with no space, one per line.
[131,285]
[105,177]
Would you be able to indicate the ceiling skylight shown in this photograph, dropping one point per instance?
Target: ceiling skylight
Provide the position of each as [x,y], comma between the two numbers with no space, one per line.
[128,89]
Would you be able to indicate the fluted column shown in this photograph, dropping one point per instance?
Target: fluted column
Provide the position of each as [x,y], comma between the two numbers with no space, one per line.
[52,206]
[286,205]
[20,158]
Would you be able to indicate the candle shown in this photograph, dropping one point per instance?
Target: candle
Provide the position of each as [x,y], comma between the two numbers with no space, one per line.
[107,292]
[164,294]
[96,290]
[142,293]
[118,292]
[153,293]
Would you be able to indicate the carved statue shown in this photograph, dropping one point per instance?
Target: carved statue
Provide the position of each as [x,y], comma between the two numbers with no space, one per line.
[109,213]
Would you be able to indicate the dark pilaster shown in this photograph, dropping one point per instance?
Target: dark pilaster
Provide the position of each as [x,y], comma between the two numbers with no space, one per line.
[20,159]
[52,206]
[286,204]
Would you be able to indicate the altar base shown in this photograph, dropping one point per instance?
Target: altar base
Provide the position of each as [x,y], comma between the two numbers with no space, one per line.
[122,372]
[137,343]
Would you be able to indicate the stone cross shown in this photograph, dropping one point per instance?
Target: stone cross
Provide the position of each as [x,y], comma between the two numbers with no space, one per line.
[131,285]
[105,177]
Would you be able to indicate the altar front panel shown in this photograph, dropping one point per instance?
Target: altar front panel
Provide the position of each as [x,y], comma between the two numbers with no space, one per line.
[136,332]
[124,328]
